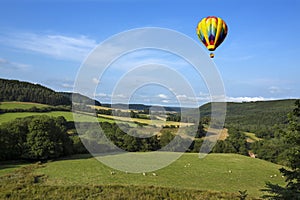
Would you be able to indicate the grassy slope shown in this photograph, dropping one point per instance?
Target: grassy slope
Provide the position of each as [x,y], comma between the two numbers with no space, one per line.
[210,173]
[67,115]
[24,183]
[147,121]
[20,105]
[7,167]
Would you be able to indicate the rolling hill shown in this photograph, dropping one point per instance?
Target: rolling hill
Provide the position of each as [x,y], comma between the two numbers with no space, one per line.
[14,90]
[216,174]
[258,114]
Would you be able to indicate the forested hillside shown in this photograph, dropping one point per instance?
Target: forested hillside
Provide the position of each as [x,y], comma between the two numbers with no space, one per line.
[254,116]
[14,90]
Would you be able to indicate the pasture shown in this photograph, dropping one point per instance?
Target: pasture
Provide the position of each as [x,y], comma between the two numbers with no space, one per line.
[20,105]
[81,117]
[6,117]
[216,172]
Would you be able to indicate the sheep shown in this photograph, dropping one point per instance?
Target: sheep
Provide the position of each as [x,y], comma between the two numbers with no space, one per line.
[229,171]
[271,176]
[144,174]
[275,175]
[154,174]
[112,172]
[187,165]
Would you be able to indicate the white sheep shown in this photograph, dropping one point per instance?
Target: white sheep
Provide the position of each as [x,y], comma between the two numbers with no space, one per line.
[112,172]
[154,174]
[144,174]
[230,171]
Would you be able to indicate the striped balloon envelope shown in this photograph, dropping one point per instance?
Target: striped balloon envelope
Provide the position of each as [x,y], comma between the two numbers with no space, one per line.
[212,32]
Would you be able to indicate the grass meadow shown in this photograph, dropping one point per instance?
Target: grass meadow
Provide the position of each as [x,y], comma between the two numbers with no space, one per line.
[6,117]
[20,105]
[219,173]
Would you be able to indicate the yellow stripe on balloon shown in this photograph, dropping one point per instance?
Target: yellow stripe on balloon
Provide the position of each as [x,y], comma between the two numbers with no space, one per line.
[219,29]
[204,29]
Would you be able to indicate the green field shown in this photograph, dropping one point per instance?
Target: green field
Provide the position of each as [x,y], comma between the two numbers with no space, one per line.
[158,123]
[69,116]
[20,105]
[211,173]
[251,137]
[25,183]
[6,117]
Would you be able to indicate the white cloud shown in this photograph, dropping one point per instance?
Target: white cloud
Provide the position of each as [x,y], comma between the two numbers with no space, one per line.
[275,90]
[163,96]
[66,85]
[10,65]
[181,96]
[247,99]
[54,45]
[95,80]
[101,95]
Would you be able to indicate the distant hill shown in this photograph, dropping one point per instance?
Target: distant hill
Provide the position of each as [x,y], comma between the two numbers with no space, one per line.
[78,98]
[250,115]
[14,90]
[141,107]
[260,114]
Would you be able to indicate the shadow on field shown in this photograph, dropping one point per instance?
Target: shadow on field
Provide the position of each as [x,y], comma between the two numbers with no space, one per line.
[73,157]
[12,164]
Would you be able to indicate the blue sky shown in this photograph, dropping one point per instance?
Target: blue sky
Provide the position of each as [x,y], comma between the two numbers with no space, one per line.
[46,42]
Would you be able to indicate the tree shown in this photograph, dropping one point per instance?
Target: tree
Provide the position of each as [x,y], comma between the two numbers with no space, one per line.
[165,138]
[200,132]
[292,175]
[46,138]
[12,138]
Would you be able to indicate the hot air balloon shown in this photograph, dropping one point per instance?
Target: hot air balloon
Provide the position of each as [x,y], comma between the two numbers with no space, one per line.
[212,32]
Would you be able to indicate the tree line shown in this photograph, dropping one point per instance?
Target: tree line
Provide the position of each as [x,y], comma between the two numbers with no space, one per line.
[14,90]
[291,140]
[36,109]
[43,137]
